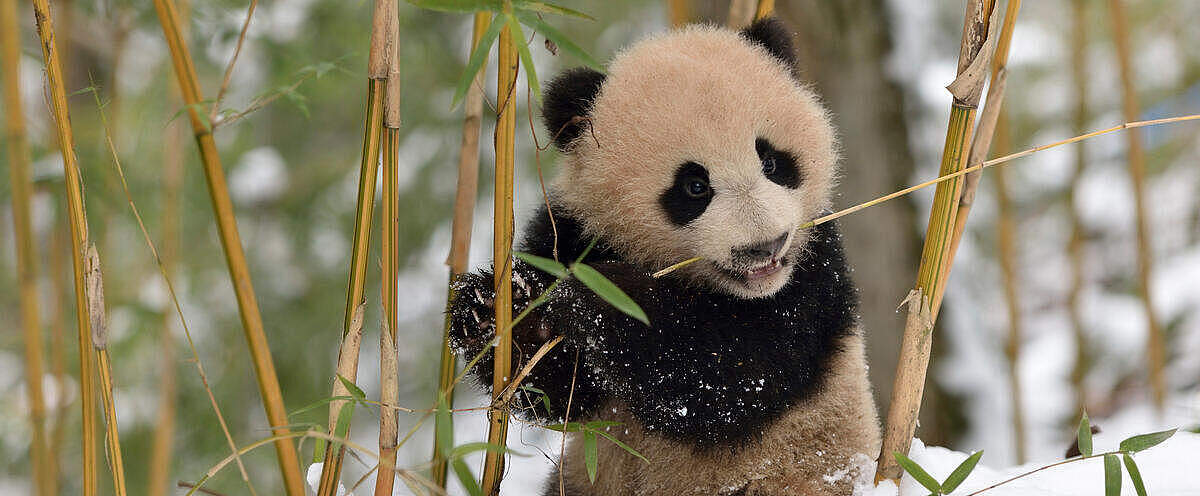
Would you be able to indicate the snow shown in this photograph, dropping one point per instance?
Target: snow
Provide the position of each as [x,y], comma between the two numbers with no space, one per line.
[1167,470]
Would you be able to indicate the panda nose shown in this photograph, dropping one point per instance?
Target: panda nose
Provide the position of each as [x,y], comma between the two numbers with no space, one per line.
[764,250]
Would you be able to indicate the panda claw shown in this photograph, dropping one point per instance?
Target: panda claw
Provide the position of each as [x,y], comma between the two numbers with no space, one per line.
[488,302]
[522,285]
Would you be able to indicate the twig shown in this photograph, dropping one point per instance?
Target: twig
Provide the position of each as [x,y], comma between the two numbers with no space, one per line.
[1052,465]
[216,106]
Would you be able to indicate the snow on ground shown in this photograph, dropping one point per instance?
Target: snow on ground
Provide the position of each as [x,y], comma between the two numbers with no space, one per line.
[1167,469]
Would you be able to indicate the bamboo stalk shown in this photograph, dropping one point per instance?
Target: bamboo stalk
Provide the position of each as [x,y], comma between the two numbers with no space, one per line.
[766,8]
[388,366]
[1075,245]
[679,12]
[506,124]
[741,12]
[27,272]
[917,339]
[98,323]
[79,236]
[460,234]
[1155,343]
[239,273]
[58,339]
[158,477]
[1006,239]
[377,72]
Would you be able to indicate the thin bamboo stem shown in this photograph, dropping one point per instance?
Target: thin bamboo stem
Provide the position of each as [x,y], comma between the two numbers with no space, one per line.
[506,124]
[377,73]
[917,339]
[27,271]
[239,273]
[679,12]
[98,323]
[1006,239]
[1076,243]
[460,234]
[1155,342]
[388,366]
[79,236]
[766,8]
[158,477]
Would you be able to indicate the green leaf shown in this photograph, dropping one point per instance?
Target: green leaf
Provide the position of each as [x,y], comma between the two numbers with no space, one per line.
[608,291]
[1112,476]
[1144,441]
[319,446]
[551,266]
[623,446]
[549,8]
[544,397]
[460,6]
[554,35]
[468,448]
[568,427]
[590,455]
[342,428]
[354,390]
[961,472]
[316,404]
[918,474]
[518,37]
[1084,436]
[475,62]
[444,426]
[1134,474]
[601,424]
[465,477]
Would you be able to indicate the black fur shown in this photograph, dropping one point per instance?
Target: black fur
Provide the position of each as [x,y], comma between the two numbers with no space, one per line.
[774,35]
[568,96]
[711,369]
[680,206]
[786,172]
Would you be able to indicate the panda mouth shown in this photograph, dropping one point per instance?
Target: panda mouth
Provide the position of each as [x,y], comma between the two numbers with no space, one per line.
[763,271]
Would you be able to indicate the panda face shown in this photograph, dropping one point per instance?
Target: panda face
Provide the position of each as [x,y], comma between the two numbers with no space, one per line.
[698,143]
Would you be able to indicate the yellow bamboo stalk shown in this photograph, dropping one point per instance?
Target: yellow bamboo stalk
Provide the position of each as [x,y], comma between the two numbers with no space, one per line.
[926,296]
[19,159]
[1006,239]
[58,339]
[505,136]
[388,366]
[79,236]
[1075,245]
[98,323]
[239,273]
[679,12]
[377,72]
[158,477]
[460,233]
[1155,343]
[765,9]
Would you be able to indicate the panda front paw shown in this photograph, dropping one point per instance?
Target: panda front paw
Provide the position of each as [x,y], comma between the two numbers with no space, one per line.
[472,310]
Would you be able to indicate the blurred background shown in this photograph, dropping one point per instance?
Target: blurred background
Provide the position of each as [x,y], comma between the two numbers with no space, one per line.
[881,67]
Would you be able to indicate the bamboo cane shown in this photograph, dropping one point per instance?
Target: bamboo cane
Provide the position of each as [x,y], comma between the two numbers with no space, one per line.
[58,336]
[158,477]
[377,73]
[1075,244]
[27,272]
[765,9]
[506,124]
[388,366]
[239,273]
[1155,343]
[79,236]
[926,297]
[460,237]
[98,323]
[679,12]
[1006,239]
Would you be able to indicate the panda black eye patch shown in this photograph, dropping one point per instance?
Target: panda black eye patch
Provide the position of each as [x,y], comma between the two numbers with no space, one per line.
[689,194]
[779,166]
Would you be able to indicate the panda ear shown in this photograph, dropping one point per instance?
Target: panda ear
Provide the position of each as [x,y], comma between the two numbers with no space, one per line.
[566,97]
[774,35]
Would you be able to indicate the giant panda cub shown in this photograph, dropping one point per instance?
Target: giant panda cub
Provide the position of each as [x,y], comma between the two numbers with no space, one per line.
[750,378]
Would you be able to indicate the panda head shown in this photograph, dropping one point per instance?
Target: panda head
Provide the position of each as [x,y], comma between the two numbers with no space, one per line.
[700,142]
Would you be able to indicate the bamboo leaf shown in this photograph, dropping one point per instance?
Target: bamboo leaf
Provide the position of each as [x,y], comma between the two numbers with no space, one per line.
[550,266]
[445,428]
[601,424]
[1112,476]
[556,36]
[544,397]
[343,423]
[590,455]
[518,36]
[465,477]
[1144,441]
[549,8]
[468,448]
[459,6]
[918,474]
[623,446]
[317,404]
[568,427]
[354,389]
[961,472]
[1134,474]
[475,62]
[319,445]
[608,291]
[1084,436]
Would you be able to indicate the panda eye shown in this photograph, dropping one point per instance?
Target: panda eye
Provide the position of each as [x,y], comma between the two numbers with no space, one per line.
[768,165]
[696,187]
[778,165]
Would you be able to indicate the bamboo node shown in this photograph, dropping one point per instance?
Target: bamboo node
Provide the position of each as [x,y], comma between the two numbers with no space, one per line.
[967,87]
